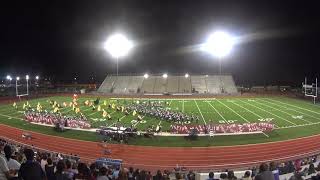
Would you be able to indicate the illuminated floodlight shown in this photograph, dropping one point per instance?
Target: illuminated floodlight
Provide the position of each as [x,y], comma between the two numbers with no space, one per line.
[165,76]
[186,75]
[37,77]
[146,76]
[118,45]
[27,77]
[219,44]
[8,77]
[17,78]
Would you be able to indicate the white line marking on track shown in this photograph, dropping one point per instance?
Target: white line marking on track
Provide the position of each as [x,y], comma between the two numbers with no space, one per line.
[200,112]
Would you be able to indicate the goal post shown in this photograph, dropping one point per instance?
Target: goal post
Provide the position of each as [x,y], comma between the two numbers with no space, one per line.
[311,90]
[22,87]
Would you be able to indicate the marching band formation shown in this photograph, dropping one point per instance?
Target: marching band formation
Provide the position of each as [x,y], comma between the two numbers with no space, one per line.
[156,109]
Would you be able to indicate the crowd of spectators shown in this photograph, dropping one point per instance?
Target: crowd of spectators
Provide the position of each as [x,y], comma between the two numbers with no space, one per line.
[30,163]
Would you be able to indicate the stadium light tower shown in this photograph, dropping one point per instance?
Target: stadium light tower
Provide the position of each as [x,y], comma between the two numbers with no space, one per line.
[37,77]
[146,76]
[219,44]
[27,78]
[165,76]
[118,46]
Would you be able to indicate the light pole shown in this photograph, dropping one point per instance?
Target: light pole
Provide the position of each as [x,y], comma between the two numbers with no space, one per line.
[27,78]
[219,44]
[17,79]
[118,46]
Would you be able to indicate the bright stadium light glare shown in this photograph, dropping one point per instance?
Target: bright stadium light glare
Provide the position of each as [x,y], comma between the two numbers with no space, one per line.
[186,75]
[118,45]
[219,44]
[8,77]
[146,76]
[17,78]
[165,76]
[27,77]
[37,77]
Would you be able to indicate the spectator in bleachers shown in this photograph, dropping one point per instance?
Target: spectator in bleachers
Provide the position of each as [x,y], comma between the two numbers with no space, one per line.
[191,175]
[43,161]
[83,172]
[158,176]
[223,176]
[311,169]
[49,169]
[69,171]
[211,176]
[123,174]
[318,167]
[296,176]
[93,171]
[59,174]
[149,176]
[274,170]
[31,170]
[247,176]
[102,174]
[264,173]
[130,174]
[115,174]
[231,175]
[13,165]
[4,170]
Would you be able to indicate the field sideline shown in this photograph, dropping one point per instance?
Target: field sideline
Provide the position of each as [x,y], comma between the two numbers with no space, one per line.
[288,115]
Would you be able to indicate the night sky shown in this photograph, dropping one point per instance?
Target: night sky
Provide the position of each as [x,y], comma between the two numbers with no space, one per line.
[63,39]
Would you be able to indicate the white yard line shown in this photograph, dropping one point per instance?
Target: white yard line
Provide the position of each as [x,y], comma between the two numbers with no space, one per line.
[251,111]
[122,117]
[269,112]
[248,110]
[87,109]
[295,106]
[289,109]
[183,105]
[11,117]
[233,111]
[93,113]
[265,134]
[217,112]
[278,110]
[200,112]
[170,102]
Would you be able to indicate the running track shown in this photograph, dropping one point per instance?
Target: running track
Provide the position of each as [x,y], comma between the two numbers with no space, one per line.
[153,158]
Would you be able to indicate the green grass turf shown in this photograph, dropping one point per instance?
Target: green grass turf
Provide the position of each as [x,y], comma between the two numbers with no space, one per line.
[293,118]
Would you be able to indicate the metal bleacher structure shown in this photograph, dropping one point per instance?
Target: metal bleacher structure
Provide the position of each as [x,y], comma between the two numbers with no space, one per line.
[174,84]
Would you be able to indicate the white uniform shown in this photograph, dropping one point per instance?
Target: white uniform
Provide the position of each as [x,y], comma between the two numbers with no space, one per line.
[3,168]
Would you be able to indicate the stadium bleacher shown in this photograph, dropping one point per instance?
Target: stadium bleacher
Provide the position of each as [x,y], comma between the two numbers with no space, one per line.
[173,84]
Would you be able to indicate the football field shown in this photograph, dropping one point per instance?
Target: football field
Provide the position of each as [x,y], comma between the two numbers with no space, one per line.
[287,114]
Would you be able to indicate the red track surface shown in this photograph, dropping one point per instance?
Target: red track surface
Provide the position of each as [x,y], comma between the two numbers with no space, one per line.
[152,158]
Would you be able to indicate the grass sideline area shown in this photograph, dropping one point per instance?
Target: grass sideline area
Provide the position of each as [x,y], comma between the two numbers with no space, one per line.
[293,119]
